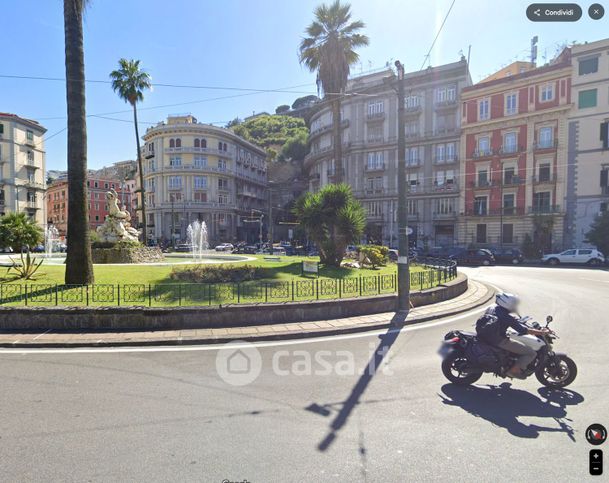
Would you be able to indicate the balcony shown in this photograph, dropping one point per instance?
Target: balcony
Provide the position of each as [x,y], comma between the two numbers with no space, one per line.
[29,142]
[445,159]
[413,110]
[30,163]
[375,116]
[512,181]
[34,184]
[545,145]
[369,168]
[444,187]
[545,179]
[375,140]
[482,184]
[510,150]
[32,205]
[443,131]
[505,211]
[413,162]
[331,172]
[193,150]
[482,153]
[446,104]
[150,154]
[444,216]
[544,209]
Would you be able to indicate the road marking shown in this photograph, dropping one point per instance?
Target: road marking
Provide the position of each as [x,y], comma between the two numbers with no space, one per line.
[215,347]
[40,335]
[594,280]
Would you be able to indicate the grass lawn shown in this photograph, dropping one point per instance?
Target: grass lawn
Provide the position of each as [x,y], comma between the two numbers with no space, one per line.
[152,285]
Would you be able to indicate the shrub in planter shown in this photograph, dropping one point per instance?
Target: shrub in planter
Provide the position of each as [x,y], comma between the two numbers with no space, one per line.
[216,273]
[373,255]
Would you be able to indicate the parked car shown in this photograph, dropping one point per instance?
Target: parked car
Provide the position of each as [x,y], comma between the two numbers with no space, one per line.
[225,247]
[474,256]
[588,256]
[246,249]
[507,255]
[183,247]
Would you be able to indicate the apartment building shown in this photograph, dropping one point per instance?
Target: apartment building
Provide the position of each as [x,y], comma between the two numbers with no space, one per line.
[22,166]
[58,194]
[195,171]
[514,156]
[588,139]
[369,135]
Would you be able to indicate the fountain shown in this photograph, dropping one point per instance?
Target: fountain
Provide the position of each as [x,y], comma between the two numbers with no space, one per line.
[197,239]
[51,237]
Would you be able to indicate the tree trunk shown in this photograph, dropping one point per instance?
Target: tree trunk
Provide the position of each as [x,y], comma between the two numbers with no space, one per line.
[338,141]
[142,205]
[79,267]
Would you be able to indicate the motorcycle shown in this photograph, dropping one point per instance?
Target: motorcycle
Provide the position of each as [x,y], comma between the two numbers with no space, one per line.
[465,358]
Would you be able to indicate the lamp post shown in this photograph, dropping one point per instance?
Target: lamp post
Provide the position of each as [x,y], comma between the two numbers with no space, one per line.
[403,267]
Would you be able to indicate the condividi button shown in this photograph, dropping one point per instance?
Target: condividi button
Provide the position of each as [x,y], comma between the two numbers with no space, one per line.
[596,462]
[554,12]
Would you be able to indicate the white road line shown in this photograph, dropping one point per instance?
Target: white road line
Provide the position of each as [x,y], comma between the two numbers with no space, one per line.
[594,280]
[40,335]
[215,347]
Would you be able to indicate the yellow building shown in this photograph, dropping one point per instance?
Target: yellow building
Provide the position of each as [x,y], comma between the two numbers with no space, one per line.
[22,166]
[195,171]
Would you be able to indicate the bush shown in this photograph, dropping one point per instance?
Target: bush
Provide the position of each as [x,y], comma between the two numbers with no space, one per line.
[216,273]
[373,255]
[120,244]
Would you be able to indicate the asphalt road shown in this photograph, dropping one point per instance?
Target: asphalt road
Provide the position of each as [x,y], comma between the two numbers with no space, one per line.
[166,415]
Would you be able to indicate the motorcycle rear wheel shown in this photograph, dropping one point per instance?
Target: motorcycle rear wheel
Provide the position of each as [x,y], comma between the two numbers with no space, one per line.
[562,376]
[450,369]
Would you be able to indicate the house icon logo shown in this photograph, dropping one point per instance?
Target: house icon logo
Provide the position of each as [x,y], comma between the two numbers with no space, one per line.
[238,363]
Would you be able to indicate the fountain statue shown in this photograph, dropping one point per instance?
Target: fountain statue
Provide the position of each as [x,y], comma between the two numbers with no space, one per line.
[51,237]
[117,226]
[197,239]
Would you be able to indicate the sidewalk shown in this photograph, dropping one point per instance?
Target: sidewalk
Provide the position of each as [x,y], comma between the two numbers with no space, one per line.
[476,295]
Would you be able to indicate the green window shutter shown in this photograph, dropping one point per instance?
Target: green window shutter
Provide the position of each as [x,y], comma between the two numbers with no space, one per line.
[1,128]
[587,99]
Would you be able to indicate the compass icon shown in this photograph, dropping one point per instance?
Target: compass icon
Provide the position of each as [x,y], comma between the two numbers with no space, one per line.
[596,434]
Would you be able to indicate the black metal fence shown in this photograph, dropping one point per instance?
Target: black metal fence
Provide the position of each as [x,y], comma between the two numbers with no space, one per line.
[197,294]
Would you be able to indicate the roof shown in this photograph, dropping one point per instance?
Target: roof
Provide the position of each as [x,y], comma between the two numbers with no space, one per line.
[23,120]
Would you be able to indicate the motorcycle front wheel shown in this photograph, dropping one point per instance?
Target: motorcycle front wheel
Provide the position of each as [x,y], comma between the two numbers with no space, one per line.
[560,371]
[454,369]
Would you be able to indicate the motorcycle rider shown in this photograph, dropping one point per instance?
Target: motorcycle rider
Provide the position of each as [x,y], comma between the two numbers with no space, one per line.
[495,332]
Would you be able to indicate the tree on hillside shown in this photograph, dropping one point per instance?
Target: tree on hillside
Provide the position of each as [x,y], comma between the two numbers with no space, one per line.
[599,233]
[304,101]
[295,148]
[130,82]
[281,109]
[271,131]
[79,267]
[329,50]
[18,231]
[332,219]
[235,122]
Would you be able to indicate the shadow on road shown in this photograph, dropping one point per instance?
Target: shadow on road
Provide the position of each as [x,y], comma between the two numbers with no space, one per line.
[346,408]
[502,406]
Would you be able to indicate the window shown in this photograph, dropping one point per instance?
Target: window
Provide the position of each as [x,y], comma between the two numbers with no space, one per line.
[544,172]
[588,66]
[200,196]
[197,143]
[511,104]
[1,128]
[200,182]
[375,160]
[508,203]
[374,208]
[222,184]
[546,137]
[510,142]
[480,205]
[440,153]
[482,178]
[374,185]
[568,252]
[376,108]
[412,207]
[507,233]
[586,99]
[413,156]
[584,252]
[223,199]
[29,135]
[451,152]
[484,145]
[412,129]
[175,182]
[221,165]
[412,179]
[172,143]
[200,162]
[375,132]
[547,93]
[541,202]
[444,206]
[178,143]
[175,161]
[481,233]
[509,175]
[412,102]
[483,110]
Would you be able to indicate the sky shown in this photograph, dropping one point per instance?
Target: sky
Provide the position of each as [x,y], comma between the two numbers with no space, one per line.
[238,44]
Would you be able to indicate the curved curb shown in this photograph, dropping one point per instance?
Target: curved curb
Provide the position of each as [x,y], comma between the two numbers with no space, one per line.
[285,335]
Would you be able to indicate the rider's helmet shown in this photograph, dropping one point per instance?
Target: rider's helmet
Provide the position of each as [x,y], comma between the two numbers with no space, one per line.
[508,301]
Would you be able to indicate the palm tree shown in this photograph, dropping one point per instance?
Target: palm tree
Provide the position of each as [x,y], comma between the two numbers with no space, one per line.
[329,50]
[79,267]
[332,218]
[129,81]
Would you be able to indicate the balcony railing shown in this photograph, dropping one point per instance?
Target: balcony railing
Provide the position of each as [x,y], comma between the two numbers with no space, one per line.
[374,167]
[544,209]
[413,162]
[193,150]
[444,216]
[542,145]
[507,150]
[445,159]
[29,142]
[413,109]
[513,181]
[444,187]
[482,183]
[482,153]
[375,116]
[445,104]
[149,154]
[545,179]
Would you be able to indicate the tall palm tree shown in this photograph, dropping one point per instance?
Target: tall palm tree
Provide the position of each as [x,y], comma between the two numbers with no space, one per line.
[129,81]
[329,50]
[79,267]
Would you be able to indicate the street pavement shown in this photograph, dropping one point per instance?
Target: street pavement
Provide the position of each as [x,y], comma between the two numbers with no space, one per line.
[165,414]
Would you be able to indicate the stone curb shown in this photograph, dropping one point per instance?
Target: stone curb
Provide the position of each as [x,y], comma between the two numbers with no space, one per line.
[221,339]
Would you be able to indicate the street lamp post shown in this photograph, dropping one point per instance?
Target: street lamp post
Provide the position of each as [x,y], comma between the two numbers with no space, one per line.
[403,267]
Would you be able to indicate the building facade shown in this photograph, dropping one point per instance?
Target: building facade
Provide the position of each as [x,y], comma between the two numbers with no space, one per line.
[369,130]
[22,167]
[514,156]
[588,139]
[58,194]
[195,171]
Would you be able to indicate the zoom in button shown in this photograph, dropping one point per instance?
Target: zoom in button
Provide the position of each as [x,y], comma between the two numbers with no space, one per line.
[554,12]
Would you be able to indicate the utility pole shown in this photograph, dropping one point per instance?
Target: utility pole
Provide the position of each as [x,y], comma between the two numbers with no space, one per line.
[173,220]
[403,267]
